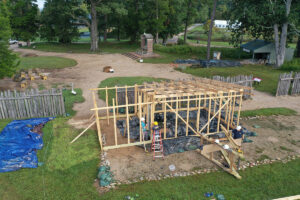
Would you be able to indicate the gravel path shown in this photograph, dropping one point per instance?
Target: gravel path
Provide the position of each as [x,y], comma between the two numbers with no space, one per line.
[88,74]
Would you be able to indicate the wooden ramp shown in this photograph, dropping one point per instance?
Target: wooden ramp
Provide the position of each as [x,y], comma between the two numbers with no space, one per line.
[132,55]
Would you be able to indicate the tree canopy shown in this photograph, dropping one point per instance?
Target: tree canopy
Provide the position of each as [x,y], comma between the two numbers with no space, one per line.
[8,62]
[24,19]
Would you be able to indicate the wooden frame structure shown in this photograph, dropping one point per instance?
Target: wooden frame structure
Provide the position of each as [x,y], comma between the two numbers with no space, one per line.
[220,102]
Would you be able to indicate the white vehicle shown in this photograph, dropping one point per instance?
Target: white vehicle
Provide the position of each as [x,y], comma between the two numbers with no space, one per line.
[13,41]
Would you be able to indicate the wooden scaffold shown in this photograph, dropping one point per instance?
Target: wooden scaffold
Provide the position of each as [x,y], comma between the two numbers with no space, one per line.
[220,102]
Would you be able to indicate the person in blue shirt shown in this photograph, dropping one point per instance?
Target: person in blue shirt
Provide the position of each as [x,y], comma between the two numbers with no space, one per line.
[237,133]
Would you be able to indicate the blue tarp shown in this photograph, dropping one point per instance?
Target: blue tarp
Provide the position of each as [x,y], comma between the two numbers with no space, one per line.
[18,144]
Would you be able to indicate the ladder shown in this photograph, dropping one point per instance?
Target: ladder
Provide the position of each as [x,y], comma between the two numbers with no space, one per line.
[157,146]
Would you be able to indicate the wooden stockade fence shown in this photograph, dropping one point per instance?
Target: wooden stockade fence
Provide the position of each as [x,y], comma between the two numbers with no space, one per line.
[31,103]
[296,84]
[286,81]
[243,80]
[240,79]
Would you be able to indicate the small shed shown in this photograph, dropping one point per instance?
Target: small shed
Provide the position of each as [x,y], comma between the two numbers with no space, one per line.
[147,43]
[264,50]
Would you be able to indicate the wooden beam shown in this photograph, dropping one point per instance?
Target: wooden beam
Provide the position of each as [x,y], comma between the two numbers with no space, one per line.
[187,116]
[107,110]
[78,136]
[127,120]
[165,120]
[115,123]
[97,122]
[176,118]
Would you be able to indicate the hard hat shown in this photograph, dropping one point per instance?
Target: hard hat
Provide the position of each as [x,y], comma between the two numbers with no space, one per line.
[155,123]
[142,119]
[226,146]
[217,141]
[238,128]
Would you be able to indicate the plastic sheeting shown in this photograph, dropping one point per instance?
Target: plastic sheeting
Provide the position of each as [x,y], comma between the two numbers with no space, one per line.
[18,144]
[209,63]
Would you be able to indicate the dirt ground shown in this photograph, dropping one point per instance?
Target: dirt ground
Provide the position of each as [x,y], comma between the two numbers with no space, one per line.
[277,137]
[88,74]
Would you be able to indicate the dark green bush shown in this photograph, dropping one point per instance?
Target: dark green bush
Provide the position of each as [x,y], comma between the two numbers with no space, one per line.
[293,65]
[226,53]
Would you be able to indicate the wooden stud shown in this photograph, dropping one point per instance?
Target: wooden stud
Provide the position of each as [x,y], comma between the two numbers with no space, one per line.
[107,111]
[127,120]
[117,100]
[229,111]
[140,116]
[220,105]
[97,121]
[240,107]
[208,116]
[233,108]
[135,97]
[165,120]
[115,123]
[187,116]
[198,114]
[176,119]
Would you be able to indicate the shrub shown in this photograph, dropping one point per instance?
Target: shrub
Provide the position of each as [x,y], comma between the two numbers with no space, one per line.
[293,65]
[226,53]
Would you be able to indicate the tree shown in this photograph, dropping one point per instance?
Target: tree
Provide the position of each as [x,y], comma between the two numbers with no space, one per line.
[59,20]
[190,10]
[260,18]
[8,59]
[211,29]
[24,19]
[94,24]
[173,23]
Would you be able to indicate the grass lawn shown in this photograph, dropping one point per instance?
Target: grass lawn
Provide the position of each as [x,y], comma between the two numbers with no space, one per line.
[45,62]
[267,73]
[69,172]
[122,81]
[104,47]
[268,112]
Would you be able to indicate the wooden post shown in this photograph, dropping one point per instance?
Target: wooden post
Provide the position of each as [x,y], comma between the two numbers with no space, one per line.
[135,98]
[152,112]
[233,108]
[187,116]
[127,120]
[115,123]
[240,106]
[117,103]
[97,121]
[176,119]
[228,118]
[107,111]
[209,111]
[220,109]
[140,116]
[165,119]
[198,113]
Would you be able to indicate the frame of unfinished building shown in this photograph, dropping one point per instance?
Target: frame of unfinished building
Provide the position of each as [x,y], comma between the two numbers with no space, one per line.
[214,97]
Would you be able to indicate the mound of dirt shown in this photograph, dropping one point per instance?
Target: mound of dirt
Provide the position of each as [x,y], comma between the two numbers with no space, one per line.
[30,55]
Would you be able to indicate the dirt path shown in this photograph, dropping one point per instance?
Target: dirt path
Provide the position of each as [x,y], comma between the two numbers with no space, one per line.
[88,74]
[265,100]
